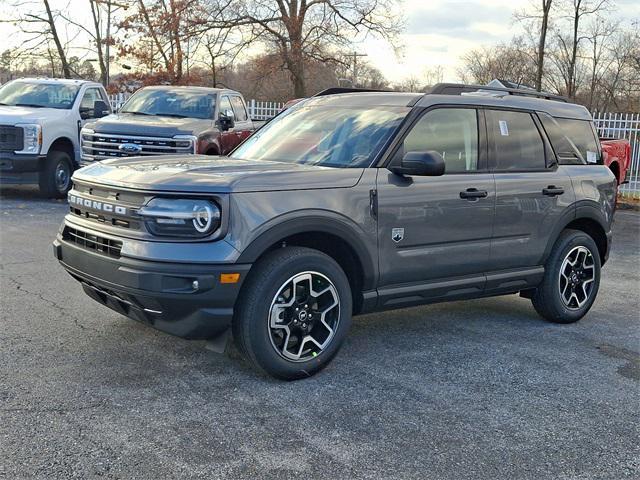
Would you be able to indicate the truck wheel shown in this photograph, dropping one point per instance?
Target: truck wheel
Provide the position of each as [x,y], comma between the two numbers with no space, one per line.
[55,177]
[293,313]
[571,279]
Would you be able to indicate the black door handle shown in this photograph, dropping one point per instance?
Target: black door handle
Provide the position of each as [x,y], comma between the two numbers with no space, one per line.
[472,193]
[552,191]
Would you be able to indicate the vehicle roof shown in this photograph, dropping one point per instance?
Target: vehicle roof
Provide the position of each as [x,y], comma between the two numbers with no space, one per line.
[552,107]
[362,99]
[63,81]
[366,99]
[189,88]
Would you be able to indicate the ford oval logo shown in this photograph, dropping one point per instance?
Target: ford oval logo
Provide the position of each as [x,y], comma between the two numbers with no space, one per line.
[130,148]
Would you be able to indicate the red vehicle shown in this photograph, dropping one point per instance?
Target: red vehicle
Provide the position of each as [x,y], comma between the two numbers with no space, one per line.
[616,154]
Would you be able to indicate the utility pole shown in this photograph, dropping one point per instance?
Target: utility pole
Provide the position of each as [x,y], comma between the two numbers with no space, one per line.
[355,56]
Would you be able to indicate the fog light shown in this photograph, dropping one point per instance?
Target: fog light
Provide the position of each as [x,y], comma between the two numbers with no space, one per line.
[195,284]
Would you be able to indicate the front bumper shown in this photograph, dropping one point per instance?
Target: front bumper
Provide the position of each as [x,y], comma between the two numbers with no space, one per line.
[157,293]
[18,169]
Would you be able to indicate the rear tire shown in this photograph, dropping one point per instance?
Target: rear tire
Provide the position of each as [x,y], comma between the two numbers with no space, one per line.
[55,177]
[571,279]
[293,313]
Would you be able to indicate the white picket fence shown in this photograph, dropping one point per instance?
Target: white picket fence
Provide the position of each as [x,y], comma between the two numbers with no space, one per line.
[258,110]
[623,125]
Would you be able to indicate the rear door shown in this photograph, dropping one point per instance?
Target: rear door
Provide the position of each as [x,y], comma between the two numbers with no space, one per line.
[435,228]
[532,191]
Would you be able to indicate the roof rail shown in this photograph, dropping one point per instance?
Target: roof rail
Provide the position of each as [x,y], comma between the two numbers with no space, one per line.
[337,90]
[460,88]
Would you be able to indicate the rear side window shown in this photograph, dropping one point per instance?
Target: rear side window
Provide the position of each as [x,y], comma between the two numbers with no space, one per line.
[517,144]
[581,134]
[238,109]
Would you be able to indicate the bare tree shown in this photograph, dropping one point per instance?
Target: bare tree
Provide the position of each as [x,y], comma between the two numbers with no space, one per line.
[577,10]
[542,15]
[301,30]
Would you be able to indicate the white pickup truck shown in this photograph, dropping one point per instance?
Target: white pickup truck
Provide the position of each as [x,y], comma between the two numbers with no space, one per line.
[40,122]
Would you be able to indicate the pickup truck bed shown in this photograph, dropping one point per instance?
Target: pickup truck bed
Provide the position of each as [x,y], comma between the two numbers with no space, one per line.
[616,154]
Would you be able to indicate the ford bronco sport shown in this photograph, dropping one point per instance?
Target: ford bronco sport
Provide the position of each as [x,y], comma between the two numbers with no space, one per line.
[344,204]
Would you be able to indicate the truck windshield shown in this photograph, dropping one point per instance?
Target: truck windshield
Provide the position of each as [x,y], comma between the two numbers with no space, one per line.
[38,95]
[327,136]
[171,103]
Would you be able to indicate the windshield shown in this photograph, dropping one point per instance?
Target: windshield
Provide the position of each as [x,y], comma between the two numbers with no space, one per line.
[38,95]
[171,103]
[327,136]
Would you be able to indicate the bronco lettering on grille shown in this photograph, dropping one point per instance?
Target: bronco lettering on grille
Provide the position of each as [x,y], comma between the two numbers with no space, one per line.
[94,205]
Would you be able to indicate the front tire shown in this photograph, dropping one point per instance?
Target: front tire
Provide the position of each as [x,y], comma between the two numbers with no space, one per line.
[571,279]
[55,177]
[293,313]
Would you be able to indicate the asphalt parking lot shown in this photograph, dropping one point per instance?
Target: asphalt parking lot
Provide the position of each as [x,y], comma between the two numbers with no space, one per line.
[480,389]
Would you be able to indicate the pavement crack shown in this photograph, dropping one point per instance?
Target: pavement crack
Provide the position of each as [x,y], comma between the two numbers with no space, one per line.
[62,310]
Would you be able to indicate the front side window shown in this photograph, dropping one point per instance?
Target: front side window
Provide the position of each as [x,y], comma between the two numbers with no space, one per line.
[171,103]
[238,109]
[89,99]
[38,95]
[225,106]
[328,136]
[517,144]
[452,132]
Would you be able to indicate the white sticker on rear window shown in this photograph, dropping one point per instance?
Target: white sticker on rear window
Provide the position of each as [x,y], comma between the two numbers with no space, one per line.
[504,130]
[592,157]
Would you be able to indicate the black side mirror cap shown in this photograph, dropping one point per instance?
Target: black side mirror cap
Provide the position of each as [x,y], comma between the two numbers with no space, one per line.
[225,123]
[101,109]
[423,164]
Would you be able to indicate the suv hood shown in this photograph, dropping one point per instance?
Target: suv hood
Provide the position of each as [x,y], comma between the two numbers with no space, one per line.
[211,174]
[149,125]
[12,115]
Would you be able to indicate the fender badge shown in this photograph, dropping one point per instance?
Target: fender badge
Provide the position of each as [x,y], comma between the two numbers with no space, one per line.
[397,234]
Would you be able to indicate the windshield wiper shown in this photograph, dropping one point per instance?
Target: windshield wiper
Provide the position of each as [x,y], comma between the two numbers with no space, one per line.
[29,105]
[136,113]
[176,115]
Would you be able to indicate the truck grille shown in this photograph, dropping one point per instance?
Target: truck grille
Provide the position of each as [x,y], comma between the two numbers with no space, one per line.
[90,241]
[11,138]
[101,146]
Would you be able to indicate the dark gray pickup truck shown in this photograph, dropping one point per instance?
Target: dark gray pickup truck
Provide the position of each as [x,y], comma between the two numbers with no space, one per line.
[169,120]
[346,204]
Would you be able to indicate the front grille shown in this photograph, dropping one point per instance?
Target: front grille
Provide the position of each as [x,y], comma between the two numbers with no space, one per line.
[90,241]
[11,138]
[101,146]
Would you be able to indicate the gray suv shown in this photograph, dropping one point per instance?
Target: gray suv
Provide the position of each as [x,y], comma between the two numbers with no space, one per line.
[348,203]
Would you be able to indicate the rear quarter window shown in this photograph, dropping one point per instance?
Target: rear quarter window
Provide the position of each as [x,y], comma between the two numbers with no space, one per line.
[581,133]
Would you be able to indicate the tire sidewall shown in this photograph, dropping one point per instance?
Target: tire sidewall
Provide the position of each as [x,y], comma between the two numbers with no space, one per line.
[258,316]
[570,242]
[49,183]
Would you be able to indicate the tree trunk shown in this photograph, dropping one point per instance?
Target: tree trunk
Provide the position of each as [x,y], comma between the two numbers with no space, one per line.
[546,7]
[96,25]
[52,26]
[574,52]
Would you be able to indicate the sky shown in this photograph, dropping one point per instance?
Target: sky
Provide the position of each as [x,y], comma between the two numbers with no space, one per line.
[437,33]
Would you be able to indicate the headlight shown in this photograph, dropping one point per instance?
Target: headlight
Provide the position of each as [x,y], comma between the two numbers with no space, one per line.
[181,218]
[32,138]
[187,141]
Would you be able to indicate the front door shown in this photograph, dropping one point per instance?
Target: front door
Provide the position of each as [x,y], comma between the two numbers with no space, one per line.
[228,138]
[434,233]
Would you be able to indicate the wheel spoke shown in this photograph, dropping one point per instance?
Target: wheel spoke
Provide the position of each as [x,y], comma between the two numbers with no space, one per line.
[304,315]
[576,276]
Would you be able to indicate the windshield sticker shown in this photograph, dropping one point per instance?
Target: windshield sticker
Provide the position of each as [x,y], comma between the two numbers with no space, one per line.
[592,157]
[504,130]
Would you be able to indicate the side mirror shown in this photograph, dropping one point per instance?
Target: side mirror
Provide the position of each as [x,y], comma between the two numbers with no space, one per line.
[424,164]
[100,109]
[226,120]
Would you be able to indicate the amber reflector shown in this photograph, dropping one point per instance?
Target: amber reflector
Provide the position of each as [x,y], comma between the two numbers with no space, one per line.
[229,277]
